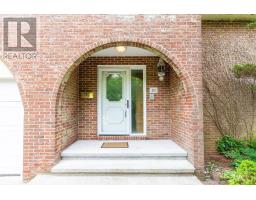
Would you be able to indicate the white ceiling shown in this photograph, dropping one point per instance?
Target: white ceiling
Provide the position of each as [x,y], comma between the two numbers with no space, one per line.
[130,51]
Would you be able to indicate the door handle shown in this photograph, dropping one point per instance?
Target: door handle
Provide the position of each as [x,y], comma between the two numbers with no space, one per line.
[127,103]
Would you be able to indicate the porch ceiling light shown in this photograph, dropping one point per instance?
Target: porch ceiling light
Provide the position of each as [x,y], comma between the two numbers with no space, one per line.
[161,69]
[121,49]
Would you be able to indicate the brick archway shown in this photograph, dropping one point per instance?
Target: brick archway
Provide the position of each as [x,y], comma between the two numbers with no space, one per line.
[194,141]
[159,50]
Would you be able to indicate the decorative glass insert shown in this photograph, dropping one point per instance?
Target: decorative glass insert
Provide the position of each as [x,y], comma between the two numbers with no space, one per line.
[114,87]
[137,100]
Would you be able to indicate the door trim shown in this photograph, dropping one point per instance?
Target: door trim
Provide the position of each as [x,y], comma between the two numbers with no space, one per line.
[101,68]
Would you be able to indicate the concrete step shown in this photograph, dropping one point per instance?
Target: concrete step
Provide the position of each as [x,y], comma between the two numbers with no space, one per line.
[126,166]
[124,157]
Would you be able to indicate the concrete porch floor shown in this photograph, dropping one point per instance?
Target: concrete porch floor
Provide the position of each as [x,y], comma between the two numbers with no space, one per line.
[92,148]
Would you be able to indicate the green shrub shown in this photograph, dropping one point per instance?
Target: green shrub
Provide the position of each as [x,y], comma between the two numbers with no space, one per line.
[236,162]
[249,153]
[236,150]
[244,174]
[227,144]
[251,139]
[233,154]
[252,144]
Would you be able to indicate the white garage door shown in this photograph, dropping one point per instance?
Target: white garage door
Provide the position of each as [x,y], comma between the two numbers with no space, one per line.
[11,128]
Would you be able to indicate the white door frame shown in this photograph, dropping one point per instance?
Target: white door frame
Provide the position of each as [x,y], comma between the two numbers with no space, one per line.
[99,95]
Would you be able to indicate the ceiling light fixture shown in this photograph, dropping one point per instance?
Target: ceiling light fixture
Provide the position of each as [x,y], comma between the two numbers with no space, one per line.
[121,49]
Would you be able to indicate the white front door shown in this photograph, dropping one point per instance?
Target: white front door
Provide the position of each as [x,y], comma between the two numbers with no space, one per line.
[114,102]
[122,100]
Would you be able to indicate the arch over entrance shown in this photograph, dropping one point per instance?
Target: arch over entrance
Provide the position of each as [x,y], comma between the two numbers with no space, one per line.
[185,101]
[159,50]
[11,124]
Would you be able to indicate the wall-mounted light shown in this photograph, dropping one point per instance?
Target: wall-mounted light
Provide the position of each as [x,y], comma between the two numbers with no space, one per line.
[121,49]
[161,69]
[87,94]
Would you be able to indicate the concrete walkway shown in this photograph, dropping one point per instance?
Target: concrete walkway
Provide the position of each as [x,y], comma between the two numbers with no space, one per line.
[10,180]
[103,180]
[115,180]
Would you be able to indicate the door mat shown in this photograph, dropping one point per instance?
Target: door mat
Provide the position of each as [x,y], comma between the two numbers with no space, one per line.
[115,145]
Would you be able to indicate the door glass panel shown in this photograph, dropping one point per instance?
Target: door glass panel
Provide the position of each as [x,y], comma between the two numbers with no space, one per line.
[114,87]
[137,100]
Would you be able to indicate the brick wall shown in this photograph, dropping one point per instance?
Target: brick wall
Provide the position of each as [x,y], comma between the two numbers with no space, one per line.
[64,41]
[67,113]
[158,115]
[224,45]
[178,112]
